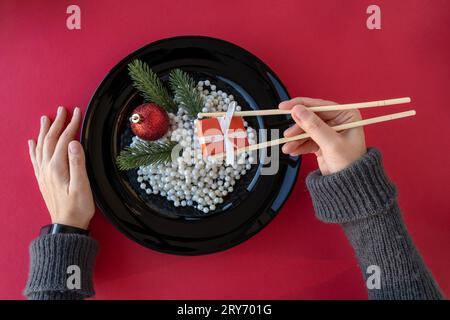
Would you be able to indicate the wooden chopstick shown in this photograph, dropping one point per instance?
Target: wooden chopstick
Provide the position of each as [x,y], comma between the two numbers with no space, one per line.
[340,127]
[349,106]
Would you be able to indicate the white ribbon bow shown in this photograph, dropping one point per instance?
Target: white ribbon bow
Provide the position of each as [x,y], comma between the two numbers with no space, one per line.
[224,123]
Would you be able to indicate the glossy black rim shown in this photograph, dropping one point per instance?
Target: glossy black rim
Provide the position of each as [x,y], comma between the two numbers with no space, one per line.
[152,222]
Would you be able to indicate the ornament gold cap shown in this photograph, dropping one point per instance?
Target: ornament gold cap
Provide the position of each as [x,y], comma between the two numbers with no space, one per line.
[136,118]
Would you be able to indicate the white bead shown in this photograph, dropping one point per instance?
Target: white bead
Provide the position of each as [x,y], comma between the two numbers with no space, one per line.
[207,83]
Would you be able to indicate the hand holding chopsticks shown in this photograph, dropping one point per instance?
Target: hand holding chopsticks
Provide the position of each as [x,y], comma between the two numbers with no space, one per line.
[331,107]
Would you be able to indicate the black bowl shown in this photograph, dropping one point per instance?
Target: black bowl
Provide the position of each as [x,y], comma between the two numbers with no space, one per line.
[151,220]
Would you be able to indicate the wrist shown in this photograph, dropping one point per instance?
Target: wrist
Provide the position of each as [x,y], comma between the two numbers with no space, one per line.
[81,224]
[57,228]
[343,159]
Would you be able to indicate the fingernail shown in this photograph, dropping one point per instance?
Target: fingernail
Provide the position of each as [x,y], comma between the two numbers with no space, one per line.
[30,143]
[75,112]
[43,120]
[74,148]
[283,104]
[60,109]
[288,131]
[300,113]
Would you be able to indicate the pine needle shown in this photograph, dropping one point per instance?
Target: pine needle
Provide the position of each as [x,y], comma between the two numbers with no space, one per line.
[150,86]
[185,91]
[144,153]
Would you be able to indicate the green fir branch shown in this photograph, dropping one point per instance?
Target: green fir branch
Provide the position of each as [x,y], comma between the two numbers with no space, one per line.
[185,91]
[150,86]
[145,153]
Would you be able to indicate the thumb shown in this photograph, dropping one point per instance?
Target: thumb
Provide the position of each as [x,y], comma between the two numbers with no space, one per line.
[319,131]
[77,167]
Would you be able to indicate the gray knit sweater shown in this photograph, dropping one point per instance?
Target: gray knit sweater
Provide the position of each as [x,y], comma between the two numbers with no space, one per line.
[360,198]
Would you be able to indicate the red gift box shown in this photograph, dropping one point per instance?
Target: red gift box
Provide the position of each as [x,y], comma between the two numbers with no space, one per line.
[211,136]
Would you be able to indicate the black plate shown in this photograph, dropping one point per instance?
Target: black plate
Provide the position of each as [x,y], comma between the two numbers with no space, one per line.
[151,220]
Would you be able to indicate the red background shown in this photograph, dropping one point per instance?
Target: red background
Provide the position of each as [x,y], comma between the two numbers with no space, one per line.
[319,49]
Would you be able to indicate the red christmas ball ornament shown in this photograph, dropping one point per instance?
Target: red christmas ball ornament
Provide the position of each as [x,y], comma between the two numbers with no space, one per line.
[149,121]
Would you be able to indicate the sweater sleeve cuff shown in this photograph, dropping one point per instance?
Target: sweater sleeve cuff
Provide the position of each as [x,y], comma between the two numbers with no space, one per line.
[50,258]
[359,191]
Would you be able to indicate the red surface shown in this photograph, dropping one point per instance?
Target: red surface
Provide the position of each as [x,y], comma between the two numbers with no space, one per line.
[319,49]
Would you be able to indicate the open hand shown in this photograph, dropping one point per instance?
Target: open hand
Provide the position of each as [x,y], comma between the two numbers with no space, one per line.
[59,166]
